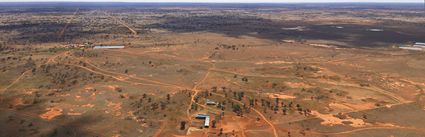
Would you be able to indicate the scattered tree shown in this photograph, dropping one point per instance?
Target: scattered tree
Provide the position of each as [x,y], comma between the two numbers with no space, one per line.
[182,125]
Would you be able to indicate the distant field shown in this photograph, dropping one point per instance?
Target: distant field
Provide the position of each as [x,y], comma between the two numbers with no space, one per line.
[269,70]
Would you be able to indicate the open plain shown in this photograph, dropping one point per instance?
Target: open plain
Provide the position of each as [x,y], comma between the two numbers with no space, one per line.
[257,70]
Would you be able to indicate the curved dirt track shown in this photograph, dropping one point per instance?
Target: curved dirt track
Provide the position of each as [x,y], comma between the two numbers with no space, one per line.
[144,81]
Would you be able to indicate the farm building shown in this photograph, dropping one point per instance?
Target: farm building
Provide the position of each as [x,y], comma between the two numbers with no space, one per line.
[206,117]
[211,102]
[375,30]
[108,47]
[412,48]
[207,121]
[419,45]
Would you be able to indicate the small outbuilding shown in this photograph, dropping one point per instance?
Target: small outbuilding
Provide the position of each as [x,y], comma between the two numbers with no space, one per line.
[211,102]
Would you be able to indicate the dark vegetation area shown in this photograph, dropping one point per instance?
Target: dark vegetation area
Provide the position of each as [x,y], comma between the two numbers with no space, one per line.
[239,25]
[126,102]
[228,23]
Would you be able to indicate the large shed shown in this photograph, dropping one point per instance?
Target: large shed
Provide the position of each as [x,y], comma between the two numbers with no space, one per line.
[211,102]
[419,44]
[108,47]
[206,117]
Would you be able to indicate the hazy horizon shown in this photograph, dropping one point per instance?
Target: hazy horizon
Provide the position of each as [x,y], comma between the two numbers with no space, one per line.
[224,1]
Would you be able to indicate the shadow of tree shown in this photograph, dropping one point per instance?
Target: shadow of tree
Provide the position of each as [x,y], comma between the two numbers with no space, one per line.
[26,122]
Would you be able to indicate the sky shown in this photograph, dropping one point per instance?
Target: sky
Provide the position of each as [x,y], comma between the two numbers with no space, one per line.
[225,1]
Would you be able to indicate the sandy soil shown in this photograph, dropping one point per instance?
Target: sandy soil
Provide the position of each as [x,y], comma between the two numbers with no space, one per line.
[51,113]
[280,96]
[331,120]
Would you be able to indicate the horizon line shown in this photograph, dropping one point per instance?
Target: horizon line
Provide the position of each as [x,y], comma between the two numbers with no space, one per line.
[204,2]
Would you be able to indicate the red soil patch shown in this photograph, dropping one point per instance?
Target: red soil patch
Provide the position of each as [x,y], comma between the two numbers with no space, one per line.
[88,105]
[331,120]
[297,85]
[362,106]
[272,62]
[51,113]
[17,101]
[280,96]
[74,113]
[341,107]
[114,106]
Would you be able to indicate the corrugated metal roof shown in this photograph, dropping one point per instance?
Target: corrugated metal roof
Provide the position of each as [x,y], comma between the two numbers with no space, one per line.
[202,116]
[376,30]
[210,102]
[419,43]
[108,47]
[411,48]
[207,121]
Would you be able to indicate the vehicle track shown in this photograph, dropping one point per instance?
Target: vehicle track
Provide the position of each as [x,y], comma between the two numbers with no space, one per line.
[158,132]
[196,91]
[67,24]
[122,23]
[258,112]
[368,128]
[49,60]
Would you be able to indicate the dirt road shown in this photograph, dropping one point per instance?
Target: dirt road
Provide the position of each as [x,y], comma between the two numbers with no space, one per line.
[196,91]
[256,111]
[122,23]
[49,60]
[67,24]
